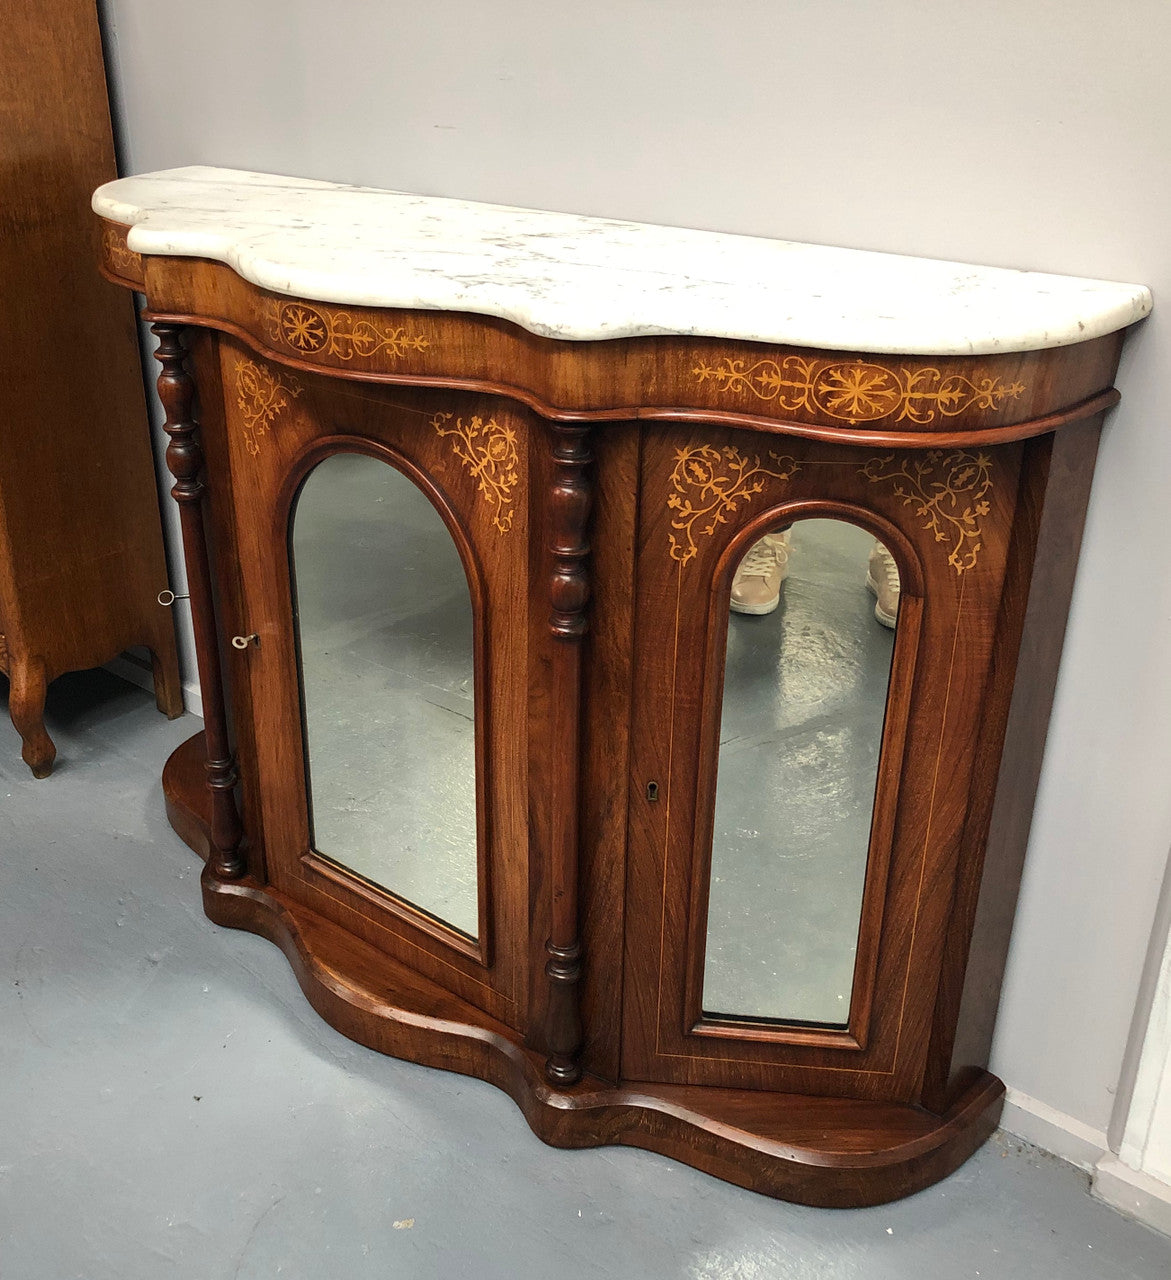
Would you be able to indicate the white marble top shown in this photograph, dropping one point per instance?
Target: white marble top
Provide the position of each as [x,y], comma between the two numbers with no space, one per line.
[566,276]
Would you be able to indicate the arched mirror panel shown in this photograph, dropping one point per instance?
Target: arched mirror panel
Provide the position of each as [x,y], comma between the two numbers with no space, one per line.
[385,631]
[807,672]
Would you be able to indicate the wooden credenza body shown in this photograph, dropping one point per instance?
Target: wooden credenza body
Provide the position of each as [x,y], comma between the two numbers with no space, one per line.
[601,494]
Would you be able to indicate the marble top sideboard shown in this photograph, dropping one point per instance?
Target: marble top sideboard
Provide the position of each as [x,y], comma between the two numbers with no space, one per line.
[604,418]
[581,278]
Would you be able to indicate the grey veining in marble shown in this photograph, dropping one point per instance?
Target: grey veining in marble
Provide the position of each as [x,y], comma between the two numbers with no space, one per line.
[582,278]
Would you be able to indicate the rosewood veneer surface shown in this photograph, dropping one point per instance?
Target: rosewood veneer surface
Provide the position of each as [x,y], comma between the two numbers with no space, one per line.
[607,416]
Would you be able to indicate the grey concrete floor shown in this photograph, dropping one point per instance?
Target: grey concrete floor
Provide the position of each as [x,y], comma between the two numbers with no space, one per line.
[170,1106]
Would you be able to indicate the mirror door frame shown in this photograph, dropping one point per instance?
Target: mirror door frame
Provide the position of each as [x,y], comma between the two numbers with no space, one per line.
[686,558]
[855,1034]
[479,947]
[397,426]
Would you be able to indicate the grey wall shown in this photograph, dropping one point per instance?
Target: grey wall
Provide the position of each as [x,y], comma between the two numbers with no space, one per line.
[1032,135]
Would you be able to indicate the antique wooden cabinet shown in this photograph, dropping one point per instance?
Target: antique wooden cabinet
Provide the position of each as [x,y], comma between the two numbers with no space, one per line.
[669,877]
[81,545]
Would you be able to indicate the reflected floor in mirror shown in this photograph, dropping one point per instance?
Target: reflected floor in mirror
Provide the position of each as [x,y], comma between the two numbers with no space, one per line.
[804,700]
[386,649]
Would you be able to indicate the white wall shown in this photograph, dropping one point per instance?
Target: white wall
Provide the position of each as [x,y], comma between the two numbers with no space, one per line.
[1033,135]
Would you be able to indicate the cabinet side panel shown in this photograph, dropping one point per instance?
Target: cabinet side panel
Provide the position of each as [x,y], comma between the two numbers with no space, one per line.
[1047,533]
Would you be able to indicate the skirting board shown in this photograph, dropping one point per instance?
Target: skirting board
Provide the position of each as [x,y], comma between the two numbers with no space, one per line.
[1135,1194]
[1138,1195]
[1061,1135]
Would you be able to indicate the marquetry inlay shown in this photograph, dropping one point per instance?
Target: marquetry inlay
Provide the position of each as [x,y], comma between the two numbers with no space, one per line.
[949,492]
[261,396]
[123,259]
[708,483]
[309,330]
[488,451]
[856,390]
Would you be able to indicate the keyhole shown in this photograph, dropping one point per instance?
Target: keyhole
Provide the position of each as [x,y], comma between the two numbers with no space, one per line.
[652,790]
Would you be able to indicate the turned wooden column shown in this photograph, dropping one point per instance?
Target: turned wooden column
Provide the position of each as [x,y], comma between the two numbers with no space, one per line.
[185,462]
[572,498]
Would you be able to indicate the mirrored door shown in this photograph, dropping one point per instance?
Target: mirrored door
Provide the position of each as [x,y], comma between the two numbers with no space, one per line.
[806,676]
[773,867]
[385,635]
[385,580]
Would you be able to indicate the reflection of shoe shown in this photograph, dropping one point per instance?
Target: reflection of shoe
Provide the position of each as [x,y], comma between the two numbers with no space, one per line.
[882,577]
[756,588]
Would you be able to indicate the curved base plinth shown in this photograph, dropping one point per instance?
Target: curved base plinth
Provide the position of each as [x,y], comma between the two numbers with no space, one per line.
[828,1152]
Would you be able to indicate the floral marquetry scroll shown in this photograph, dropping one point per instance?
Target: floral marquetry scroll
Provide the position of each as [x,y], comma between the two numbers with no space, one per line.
[261,396]
[709,484]
[858,391]
[948,491]
[488,451]
[308,330]
[119,255]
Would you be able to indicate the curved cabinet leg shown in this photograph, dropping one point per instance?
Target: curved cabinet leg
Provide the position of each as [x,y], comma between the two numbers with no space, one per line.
[26,706]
